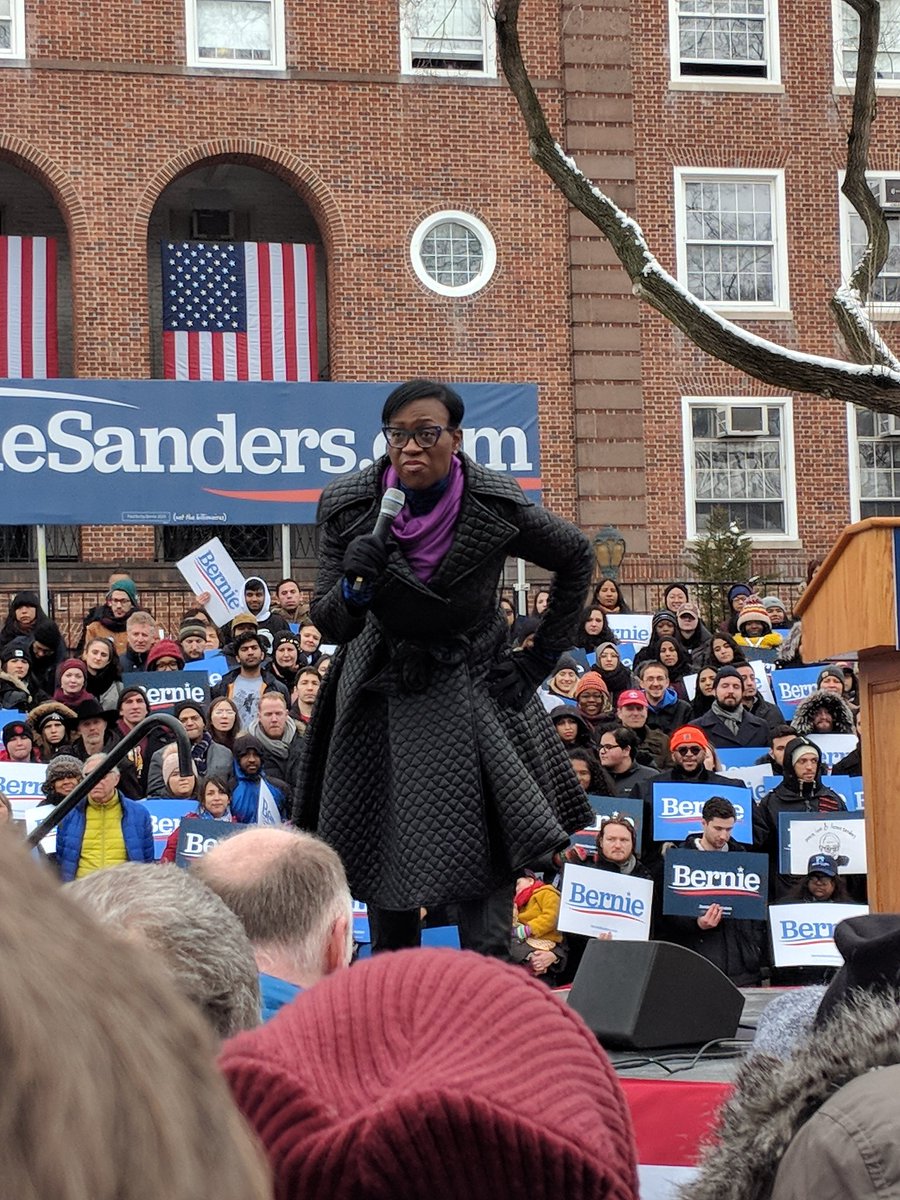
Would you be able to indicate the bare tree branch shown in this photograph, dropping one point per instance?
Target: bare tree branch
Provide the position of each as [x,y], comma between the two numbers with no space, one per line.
[873,382]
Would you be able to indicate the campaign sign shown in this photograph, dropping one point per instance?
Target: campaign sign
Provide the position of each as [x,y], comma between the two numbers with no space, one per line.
[165,689]
[596,901]
[850,787]
[690,685]
[627,651]
[738,882]
[631,627]
[165,817]
[791,686]
[803,934]
[361,933]
[834,746]
[21,783]
[842,835]
[210,568]
[677,808]
[196,838]
[763,684]
[756,778]
[33,818]
[605,806]
[740,756]
[214,663]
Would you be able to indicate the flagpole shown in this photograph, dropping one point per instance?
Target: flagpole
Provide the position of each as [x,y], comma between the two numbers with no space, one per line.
[285,552]
[41,544]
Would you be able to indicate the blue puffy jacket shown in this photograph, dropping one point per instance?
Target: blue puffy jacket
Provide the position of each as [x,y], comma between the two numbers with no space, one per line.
[245,797]
[137,830]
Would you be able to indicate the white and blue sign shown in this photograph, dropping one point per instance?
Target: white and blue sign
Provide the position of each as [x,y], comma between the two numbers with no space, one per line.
[851,788]
[631,627]
[165,689]
[594,901]
[803,934]
[196,838]
[738,882]
[677,809]
[740,756]
[165,817]
[361,932]
[834,746]
[791,686]
[172,452]
[21,784]
[803,834]
[627,651]
[757,778]
[213,663]
[625,806]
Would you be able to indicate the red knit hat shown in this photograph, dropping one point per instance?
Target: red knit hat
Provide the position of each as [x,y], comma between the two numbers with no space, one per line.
[592,681]
[435,1073]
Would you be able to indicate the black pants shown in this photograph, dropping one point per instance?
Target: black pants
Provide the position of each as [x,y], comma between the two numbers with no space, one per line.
[484,924]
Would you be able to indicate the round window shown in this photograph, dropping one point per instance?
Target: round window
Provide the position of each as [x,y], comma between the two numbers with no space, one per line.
[453,253]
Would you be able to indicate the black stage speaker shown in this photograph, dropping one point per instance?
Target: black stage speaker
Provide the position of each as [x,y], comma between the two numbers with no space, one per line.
[647,994]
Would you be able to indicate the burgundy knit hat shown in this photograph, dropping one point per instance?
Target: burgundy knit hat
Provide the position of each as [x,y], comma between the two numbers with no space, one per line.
[435,1073]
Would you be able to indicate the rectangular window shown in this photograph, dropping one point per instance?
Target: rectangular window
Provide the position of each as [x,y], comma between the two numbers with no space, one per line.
[730,238]
[12,28]
[885,298]
[878,463]
[447,37]
[846,23]
[738,454]
[725,39]
[235,33]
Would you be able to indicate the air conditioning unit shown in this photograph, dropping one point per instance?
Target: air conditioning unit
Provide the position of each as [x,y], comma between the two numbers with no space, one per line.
[890,198]
[742,421]
[891,425]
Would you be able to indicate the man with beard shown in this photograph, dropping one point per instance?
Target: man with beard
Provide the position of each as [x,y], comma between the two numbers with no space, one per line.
[728,724]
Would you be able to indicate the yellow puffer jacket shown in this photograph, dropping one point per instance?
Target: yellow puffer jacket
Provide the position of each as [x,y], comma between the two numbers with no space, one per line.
[104,843]
[541,913]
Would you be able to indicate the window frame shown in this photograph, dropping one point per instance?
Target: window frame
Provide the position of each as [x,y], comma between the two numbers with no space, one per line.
[886,310]
[760,538]
[843,84]
[481,231]
[779,307]
[853,473]
[489,41]
[727,82]
[17,32]
[278,49]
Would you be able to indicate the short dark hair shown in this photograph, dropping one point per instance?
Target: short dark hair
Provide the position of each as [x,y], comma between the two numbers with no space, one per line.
[783,730]
[243,638]
[626,739]
[281,583]
[718,807]
[308,671]
[424,389]
[650,662]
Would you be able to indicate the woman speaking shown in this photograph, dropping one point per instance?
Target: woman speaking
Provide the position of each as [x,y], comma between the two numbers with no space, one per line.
[430,765]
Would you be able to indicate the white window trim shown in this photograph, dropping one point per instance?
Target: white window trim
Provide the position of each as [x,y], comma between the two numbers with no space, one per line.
[887,87]
[780,307]
[489,33]
[17,31]
[874,308]
[853,464]
[786,403]
[481,231]
[278,52]
[727,83]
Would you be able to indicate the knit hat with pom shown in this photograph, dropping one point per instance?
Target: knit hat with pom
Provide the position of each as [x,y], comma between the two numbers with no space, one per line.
[373,1085]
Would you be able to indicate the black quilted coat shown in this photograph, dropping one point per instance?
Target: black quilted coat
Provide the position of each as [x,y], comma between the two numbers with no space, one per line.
[429,791]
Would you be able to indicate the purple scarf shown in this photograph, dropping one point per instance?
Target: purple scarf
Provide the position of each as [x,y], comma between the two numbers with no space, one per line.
[425,540]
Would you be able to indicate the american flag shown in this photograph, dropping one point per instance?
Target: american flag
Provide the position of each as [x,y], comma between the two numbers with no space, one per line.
[28,345]
[239,310]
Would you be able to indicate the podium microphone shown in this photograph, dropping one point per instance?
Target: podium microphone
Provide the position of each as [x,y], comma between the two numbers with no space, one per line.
[392,502]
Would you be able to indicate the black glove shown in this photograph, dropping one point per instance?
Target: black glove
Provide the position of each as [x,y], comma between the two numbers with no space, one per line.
[512,682]
[365,559]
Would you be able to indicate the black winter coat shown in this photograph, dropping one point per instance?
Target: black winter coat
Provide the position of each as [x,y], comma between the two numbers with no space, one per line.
[427,788]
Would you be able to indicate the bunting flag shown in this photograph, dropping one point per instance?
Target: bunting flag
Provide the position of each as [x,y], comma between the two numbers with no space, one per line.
[28,341]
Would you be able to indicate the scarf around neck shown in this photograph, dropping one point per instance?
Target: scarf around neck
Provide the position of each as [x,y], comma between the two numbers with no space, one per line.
[425,539]
[731,719]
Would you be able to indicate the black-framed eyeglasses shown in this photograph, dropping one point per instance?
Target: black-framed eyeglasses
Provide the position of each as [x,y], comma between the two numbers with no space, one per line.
[425,437]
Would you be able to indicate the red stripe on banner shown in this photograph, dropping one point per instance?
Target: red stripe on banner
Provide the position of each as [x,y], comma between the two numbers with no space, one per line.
[193,356]
[4,326]
[240,342]
[265,311]
[26,307]
[673,1119]
[218,357]
[312,341]
[290,312]
[168,354]
[51,330]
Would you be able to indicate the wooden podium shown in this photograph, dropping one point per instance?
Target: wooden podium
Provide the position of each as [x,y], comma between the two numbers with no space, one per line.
[852,604]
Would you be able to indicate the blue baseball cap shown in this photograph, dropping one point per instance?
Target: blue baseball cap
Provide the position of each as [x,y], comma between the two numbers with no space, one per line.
[822,864]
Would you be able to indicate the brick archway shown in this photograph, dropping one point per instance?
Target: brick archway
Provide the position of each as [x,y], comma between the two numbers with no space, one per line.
[41,166]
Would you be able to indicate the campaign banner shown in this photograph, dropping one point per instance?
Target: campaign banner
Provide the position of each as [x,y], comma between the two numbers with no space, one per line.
[21,783]
[175,452]
[196,838]
[211,570]
[851,788]
[33,818]
[757,778]
[165,818]
[627,651]
[361,932]
[214,663]
[584,659]
[738,882]
[605,806]
[165,689]
[595,901]
[842,835]
[677,808]
[834,746]
[740,756]
[791,686]
[631,627]
[763,681]
[803,934]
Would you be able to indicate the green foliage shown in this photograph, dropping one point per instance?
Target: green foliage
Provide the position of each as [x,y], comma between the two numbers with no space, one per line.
[718,558]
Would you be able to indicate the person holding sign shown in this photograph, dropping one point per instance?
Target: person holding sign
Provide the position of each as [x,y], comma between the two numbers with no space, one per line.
[820,885]
[430,764]
[734,946]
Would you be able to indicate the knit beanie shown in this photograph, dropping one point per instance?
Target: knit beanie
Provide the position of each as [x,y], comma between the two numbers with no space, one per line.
[127,586]
[773,602]
[591,681]
[64,766]
[169,765]
[834,672]
[192,629]
[47,633]
[786,1021]
[738,589]
[727,672]
[372,1085]
[753,612]
[870,946]
[800,746]
[132,690]
[244,742]
[565,662]
[16,647]
[69,664]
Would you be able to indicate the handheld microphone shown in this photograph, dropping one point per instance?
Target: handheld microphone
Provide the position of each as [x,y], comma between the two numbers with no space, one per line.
[392,502]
